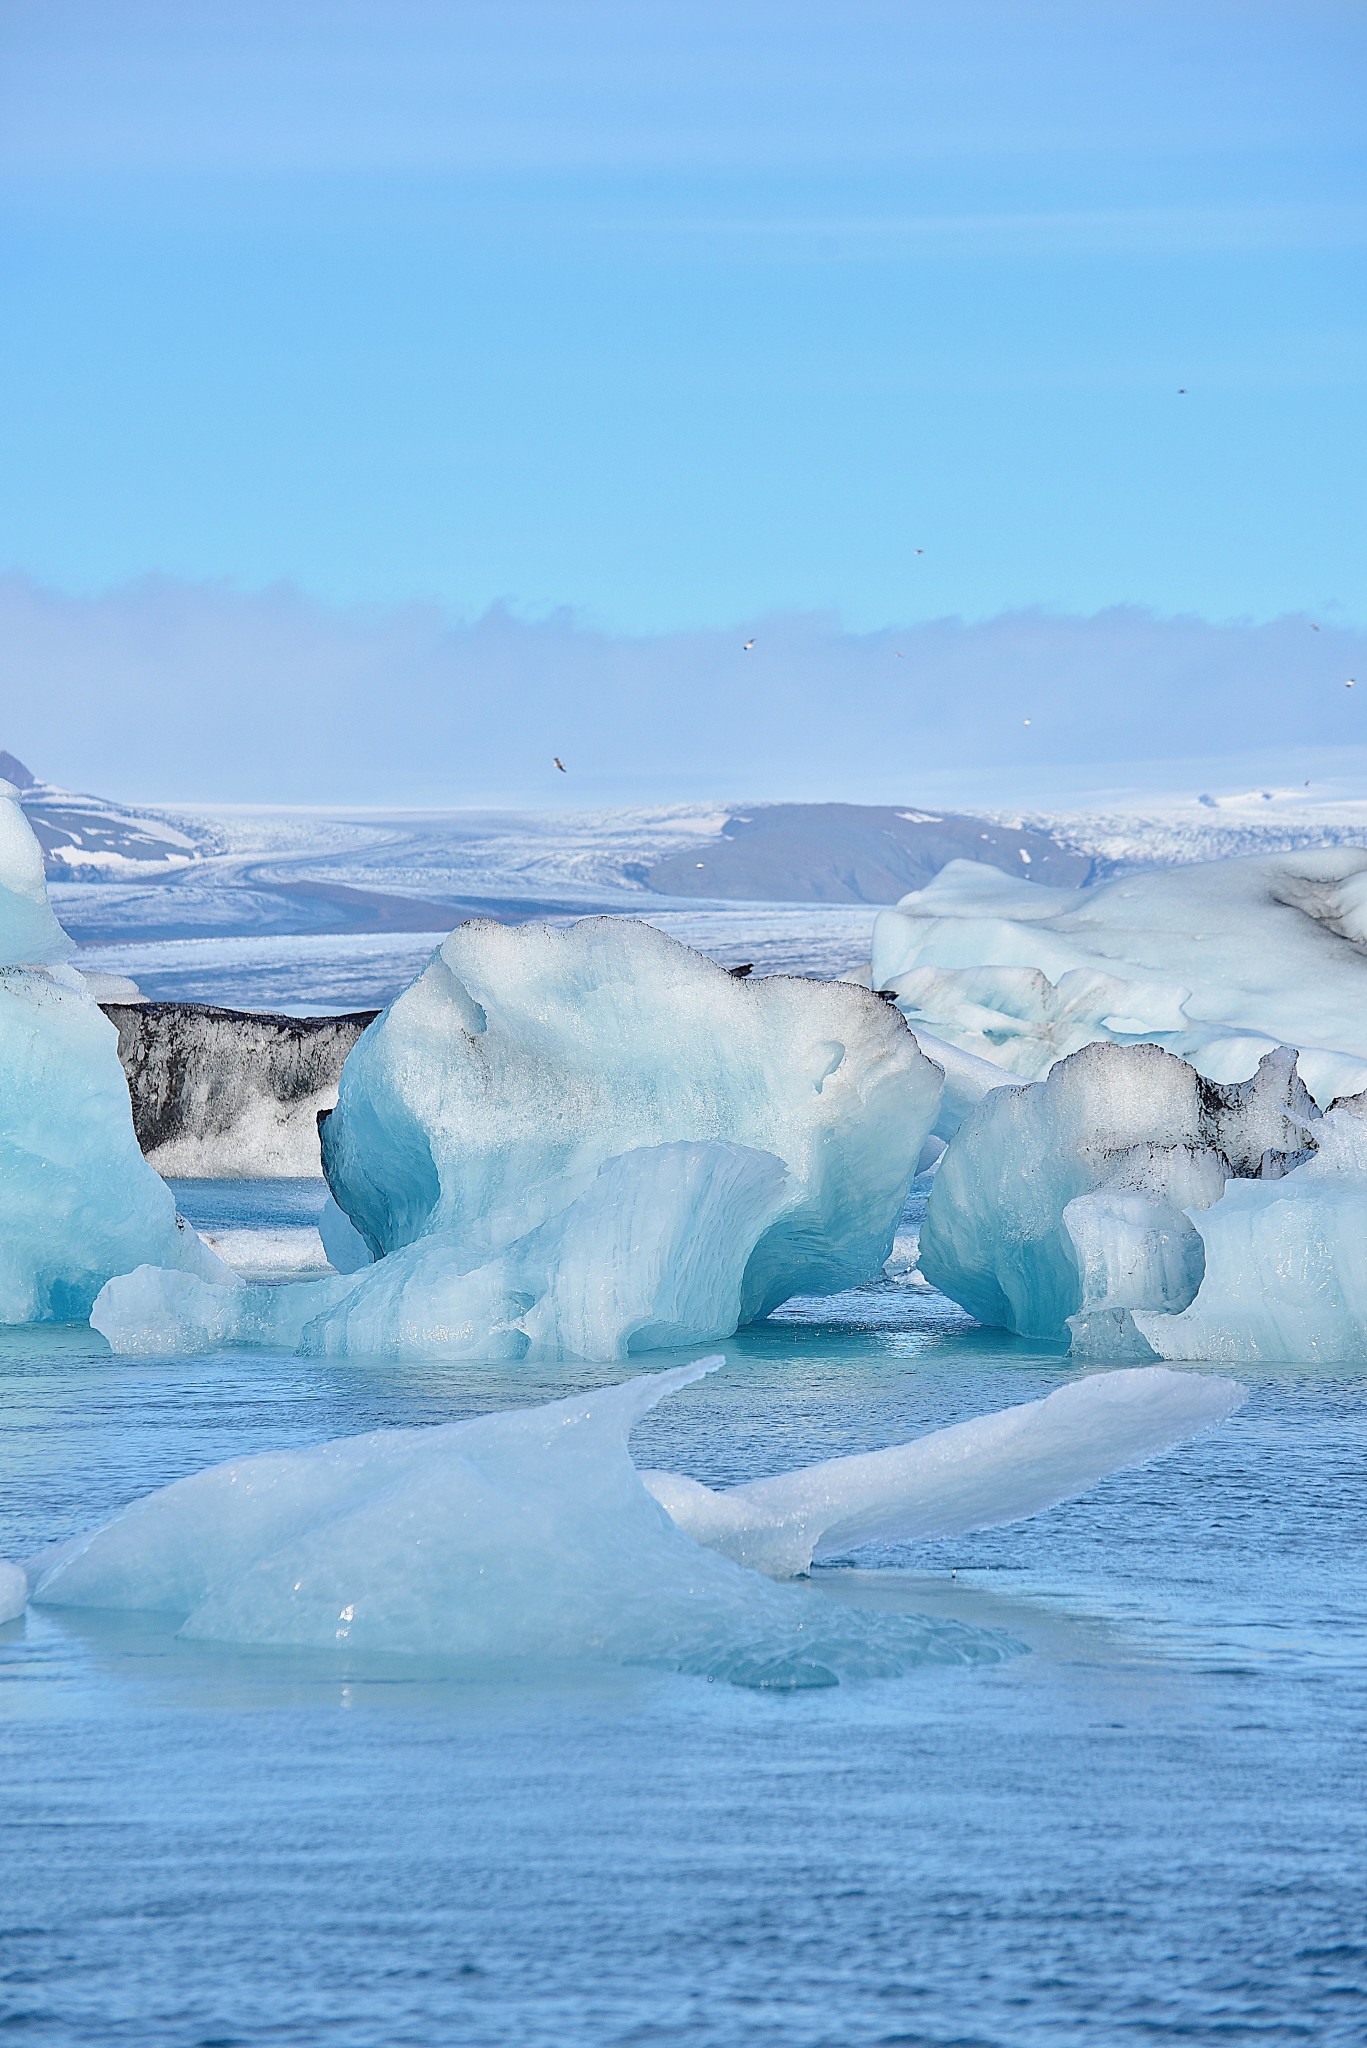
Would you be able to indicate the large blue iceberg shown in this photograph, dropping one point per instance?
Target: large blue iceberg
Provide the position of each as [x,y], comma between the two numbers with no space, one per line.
[1133,1209]
[78,1203]
[585,1143]
[531,1536]
[1061,1208]
[1284,1262]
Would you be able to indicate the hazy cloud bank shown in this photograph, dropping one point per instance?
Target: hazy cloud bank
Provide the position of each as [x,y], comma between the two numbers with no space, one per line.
[164,689]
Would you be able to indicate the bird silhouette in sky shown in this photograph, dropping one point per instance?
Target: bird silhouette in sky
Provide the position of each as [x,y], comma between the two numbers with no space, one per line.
[560,764]
[1350,682]
[1313,627]
[1181,391]
[920,551]
[748,645]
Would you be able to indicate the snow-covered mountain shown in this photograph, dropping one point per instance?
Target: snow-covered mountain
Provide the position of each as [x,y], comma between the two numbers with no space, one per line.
[91,839]
[121,873]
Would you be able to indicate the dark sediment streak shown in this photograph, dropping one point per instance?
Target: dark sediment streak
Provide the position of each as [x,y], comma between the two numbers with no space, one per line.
[219,1093]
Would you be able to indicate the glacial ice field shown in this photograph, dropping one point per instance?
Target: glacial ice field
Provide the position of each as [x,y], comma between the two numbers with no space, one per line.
[215,1843]
[320,972]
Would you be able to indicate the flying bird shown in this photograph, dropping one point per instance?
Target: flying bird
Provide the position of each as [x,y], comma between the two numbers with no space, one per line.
[1025,721]
[1350,682]
[900,655]
[560,764]
[1181,391]
[1313,627]
[747,646]
[920,551]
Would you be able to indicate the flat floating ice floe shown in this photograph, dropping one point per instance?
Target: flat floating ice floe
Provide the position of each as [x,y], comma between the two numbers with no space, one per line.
[531,1536]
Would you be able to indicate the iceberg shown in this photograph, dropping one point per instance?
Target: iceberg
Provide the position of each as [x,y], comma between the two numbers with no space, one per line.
[1284,1263]
[531,1536]
[1218,961]
[29,932]
[1061,1208]
[524,1057]
[583,1144]
[78,1203]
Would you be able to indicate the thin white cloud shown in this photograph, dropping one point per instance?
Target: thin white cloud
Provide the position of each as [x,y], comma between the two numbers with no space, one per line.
[166,689]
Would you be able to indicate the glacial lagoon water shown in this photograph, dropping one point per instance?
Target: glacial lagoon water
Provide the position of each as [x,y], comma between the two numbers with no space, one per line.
[1147,1824]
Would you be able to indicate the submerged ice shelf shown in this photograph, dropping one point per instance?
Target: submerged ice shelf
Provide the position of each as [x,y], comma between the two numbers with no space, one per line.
[531,1536]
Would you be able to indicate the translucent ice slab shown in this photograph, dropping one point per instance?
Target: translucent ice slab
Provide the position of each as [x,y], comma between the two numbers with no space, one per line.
[531,1536]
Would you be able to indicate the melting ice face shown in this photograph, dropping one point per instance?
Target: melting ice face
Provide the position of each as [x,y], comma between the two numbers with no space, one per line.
[532,1537]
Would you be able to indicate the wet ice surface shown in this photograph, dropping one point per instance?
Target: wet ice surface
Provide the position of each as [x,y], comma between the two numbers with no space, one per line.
[1150,1826]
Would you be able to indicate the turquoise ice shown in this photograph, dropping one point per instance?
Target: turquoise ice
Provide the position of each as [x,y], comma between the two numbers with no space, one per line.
[78,1203]
[583,1144]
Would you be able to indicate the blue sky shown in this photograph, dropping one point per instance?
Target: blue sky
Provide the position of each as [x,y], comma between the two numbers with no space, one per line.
[686,316]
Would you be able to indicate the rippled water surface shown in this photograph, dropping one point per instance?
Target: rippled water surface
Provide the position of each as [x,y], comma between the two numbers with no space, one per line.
[1147,1827]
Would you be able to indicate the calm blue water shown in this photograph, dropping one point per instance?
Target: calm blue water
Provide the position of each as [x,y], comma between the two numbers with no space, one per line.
[1148,1827]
